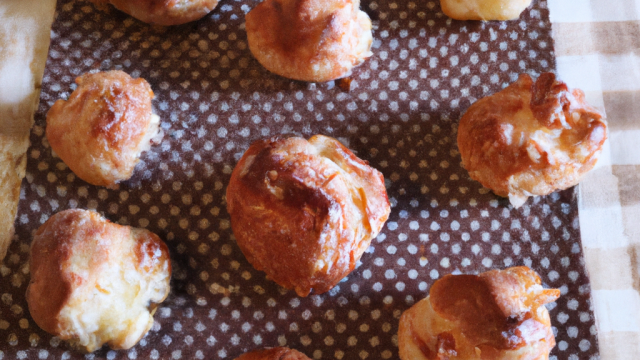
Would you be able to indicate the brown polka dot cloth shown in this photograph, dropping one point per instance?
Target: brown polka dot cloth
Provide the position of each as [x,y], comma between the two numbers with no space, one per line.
[400,114]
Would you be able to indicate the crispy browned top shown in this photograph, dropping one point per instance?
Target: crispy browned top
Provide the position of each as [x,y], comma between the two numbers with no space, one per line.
[278,353]
[305,211]
[101,129]
[163,12]
[499,314]
[311,40]
[531,138]
[498,309]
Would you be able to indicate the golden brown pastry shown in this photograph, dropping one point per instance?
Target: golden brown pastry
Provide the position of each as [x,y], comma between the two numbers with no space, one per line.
[484,9]
[498,315]
[531,138]
[279,353]
[103,128]
[309,40]
[162,12]
[95,282]
[305,211]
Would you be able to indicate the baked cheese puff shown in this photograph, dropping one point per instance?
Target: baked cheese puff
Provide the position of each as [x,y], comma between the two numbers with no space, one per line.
[95,282]
[162,12]
[498,315]
[530,139]
[104,126]
[484,9]
[309,40]
[304,211]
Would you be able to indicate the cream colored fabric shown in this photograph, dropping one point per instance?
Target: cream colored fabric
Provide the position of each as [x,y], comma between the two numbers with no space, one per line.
[24,41]
[598,50]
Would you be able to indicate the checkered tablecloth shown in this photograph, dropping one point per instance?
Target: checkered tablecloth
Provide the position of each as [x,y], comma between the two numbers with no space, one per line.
[598,50]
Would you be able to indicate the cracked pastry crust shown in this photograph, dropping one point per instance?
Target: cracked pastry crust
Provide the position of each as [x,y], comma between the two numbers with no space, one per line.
[162,12]
[530,139]
[279,353]
[484,9]
[104,126]
[304,211]
[499,314]
[95,282]
[309,40]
